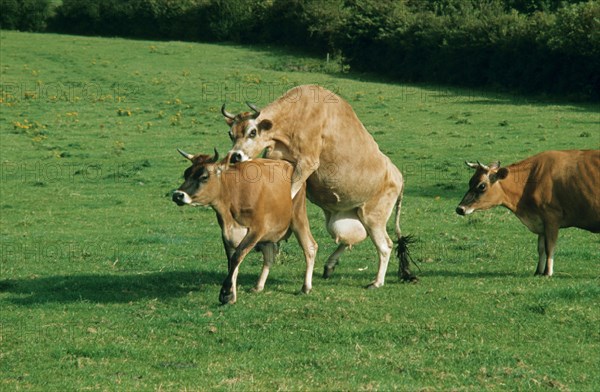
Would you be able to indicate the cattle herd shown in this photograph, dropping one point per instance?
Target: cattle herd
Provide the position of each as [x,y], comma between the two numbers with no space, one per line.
[315,146]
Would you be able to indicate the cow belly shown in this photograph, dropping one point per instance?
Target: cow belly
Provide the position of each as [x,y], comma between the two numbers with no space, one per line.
[337,187]
[235,235]
[346,228]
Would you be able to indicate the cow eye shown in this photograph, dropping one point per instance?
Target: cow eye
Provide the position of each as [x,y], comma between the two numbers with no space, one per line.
[481,187]
[252,133]
[203,177]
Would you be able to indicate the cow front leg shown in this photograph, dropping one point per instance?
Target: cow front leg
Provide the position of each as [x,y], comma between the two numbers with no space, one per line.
[541,255]
[228,292]
[304,168]
[550,243]
[268,250]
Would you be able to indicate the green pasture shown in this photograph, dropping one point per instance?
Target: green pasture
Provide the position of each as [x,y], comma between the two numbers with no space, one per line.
[105,284]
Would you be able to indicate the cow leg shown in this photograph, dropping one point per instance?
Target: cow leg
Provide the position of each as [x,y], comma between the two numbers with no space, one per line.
[268,251]
[228,292]
[541,255]
[551,236]
[309,247]
[304,168]
[374,215]
[301,229]
[384,245]
[333,260]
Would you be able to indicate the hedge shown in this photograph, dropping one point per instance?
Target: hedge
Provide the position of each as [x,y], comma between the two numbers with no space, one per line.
[547,46]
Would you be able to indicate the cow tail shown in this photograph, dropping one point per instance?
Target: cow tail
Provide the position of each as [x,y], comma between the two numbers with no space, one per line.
[402,246]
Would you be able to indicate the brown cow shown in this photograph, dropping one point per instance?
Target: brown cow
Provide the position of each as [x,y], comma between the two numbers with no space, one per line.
[549,191]
[254,207]
[355,184]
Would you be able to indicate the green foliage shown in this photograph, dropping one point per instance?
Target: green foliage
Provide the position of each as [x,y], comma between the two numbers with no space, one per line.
[25,15]
[549,46]
[105,284]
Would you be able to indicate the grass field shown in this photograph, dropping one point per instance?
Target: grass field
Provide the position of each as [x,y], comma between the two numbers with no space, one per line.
[105,284]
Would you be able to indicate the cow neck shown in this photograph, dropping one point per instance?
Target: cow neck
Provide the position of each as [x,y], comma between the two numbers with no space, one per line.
[278,115]
[513,186]
[222,206]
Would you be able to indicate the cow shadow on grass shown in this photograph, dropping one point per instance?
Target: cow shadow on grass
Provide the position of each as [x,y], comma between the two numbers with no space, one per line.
[117,288]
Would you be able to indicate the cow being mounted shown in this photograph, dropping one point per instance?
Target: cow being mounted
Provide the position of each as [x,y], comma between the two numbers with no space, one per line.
[254,207]
[355,184]
[547,192]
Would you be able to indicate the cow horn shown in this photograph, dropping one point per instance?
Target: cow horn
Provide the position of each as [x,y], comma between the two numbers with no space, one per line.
[471,165]
[185,154]
[226,113]
[484,167]
[216,157]
[254,108]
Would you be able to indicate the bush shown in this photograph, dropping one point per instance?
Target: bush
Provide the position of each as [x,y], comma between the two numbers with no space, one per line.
[532,46]
[24,15]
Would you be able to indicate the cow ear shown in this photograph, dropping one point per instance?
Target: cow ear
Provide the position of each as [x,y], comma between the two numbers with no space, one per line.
[265,125]
[229,121]
[501,174]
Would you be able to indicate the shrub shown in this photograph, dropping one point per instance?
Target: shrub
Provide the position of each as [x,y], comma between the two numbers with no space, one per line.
[24,15]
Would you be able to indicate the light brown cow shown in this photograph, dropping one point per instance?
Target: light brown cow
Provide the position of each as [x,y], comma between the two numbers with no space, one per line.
[254,207]
[355,184]
[549,191]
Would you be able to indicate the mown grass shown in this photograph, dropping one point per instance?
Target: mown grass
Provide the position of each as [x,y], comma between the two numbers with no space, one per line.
[105,284]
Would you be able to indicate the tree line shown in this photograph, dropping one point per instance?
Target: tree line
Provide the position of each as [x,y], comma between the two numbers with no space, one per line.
[531,46]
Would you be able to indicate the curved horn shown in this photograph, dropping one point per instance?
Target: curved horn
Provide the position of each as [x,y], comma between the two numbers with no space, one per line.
[485,167]
[185,154]
[226,113]
[254,108]
[471,165]
[216,157]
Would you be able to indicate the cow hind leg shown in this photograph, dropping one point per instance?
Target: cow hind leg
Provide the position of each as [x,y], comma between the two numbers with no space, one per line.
[374,216]
[383,244]
[332,261]
[309,247]
[301,229]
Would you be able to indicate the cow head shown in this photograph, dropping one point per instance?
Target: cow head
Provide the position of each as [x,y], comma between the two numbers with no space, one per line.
[201,185]
[249,135]
[484,188]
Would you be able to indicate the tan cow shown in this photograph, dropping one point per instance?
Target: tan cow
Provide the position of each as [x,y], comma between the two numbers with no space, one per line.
[254,207]
[549,191]
[355,184]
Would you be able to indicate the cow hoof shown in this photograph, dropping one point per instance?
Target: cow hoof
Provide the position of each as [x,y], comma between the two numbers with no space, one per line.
[373,286]
[327,271]
[305,290]
[226,298]
[256,289]
[409,278]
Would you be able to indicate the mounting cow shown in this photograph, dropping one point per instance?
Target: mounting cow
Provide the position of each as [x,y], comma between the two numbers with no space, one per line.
[355,184]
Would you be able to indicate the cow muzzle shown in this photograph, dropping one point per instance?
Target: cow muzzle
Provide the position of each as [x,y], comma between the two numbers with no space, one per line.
[238,156]
[462,210]
[181,198]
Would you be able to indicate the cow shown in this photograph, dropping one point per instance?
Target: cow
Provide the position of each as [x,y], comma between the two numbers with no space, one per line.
[346,175]
[254,207]
[547,192]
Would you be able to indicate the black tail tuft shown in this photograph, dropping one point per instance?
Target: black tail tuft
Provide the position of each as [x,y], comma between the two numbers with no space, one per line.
[403,254]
